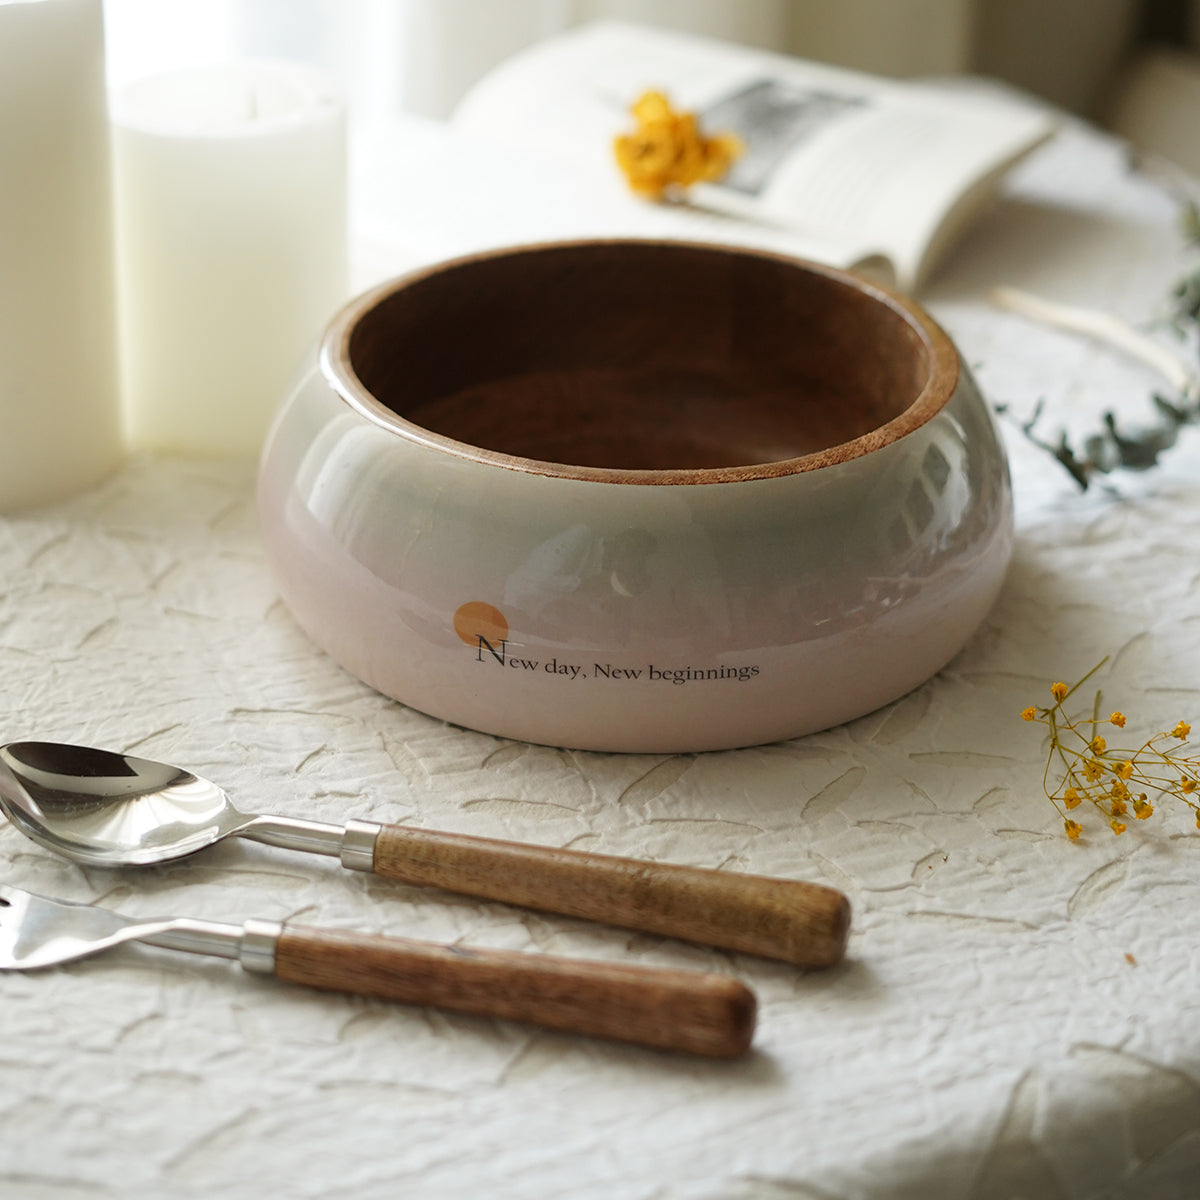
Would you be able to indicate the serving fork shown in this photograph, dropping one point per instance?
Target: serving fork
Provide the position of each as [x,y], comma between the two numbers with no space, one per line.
[691,1011]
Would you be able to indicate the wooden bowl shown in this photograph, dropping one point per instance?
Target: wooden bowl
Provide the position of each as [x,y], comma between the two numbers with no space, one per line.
[640,496]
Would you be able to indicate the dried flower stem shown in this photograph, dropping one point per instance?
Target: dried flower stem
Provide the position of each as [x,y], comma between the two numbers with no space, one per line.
[1105,328]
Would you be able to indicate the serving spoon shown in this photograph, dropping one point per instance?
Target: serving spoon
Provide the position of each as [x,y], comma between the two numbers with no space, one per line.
[107,809]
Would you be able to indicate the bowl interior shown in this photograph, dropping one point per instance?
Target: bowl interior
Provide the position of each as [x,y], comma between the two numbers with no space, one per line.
[642,356]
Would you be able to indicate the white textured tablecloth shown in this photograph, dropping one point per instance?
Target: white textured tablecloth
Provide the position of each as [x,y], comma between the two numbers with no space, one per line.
[1017,1016]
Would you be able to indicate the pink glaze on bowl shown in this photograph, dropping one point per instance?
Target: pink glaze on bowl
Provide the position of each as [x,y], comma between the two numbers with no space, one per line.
[637,496]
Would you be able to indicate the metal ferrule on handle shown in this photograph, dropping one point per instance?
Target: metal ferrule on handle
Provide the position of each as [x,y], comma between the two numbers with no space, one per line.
[357,850]
[352,843]
[252,944]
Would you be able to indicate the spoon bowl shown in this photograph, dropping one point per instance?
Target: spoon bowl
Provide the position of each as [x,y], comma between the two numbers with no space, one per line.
[105,809]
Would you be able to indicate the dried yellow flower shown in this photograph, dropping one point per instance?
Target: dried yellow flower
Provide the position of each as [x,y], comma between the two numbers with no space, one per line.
[667,153]
[1088,769]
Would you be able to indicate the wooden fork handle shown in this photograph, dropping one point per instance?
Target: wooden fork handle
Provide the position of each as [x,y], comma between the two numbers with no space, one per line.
[671,1010]
[802,923]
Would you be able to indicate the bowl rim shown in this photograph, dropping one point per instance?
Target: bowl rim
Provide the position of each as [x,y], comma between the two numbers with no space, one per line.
[945,367]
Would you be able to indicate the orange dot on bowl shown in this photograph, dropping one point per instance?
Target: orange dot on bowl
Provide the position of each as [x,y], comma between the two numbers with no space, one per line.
[477,619]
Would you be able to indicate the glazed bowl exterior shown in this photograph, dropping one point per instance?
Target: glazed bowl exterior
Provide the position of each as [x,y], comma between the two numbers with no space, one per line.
[616,607]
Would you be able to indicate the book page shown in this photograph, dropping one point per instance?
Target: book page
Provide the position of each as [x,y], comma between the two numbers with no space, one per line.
[904,171]
[861,166]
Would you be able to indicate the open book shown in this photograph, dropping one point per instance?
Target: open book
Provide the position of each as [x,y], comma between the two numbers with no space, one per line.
[845,168]
[840,167]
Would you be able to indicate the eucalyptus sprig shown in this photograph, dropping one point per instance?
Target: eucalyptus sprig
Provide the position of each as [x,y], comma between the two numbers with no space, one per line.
[1184,305]
[1113,447]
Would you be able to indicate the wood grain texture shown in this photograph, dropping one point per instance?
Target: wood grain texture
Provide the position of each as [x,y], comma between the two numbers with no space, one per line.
[646,361]
[686,1011]
[801,923]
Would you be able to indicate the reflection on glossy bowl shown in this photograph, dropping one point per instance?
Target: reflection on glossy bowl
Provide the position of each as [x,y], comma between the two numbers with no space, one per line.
[637,496]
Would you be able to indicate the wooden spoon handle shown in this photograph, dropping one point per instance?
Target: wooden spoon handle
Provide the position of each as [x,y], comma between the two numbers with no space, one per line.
[667,1009]
[802,923]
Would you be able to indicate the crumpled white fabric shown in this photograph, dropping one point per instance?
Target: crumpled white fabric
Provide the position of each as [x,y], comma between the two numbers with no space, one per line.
[1017,1014]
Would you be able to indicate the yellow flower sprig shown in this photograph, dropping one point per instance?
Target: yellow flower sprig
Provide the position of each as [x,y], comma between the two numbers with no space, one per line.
[1111,778]
[667,153]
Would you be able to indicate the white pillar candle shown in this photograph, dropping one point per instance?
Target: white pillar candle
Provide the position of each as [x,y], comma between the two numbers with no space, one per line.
[60,414]
[231,245]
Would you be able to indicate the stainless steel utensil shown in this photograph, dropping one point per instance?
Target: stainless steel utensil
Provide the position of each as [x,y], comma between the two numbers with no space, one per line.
[672,1010]
[107,809]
